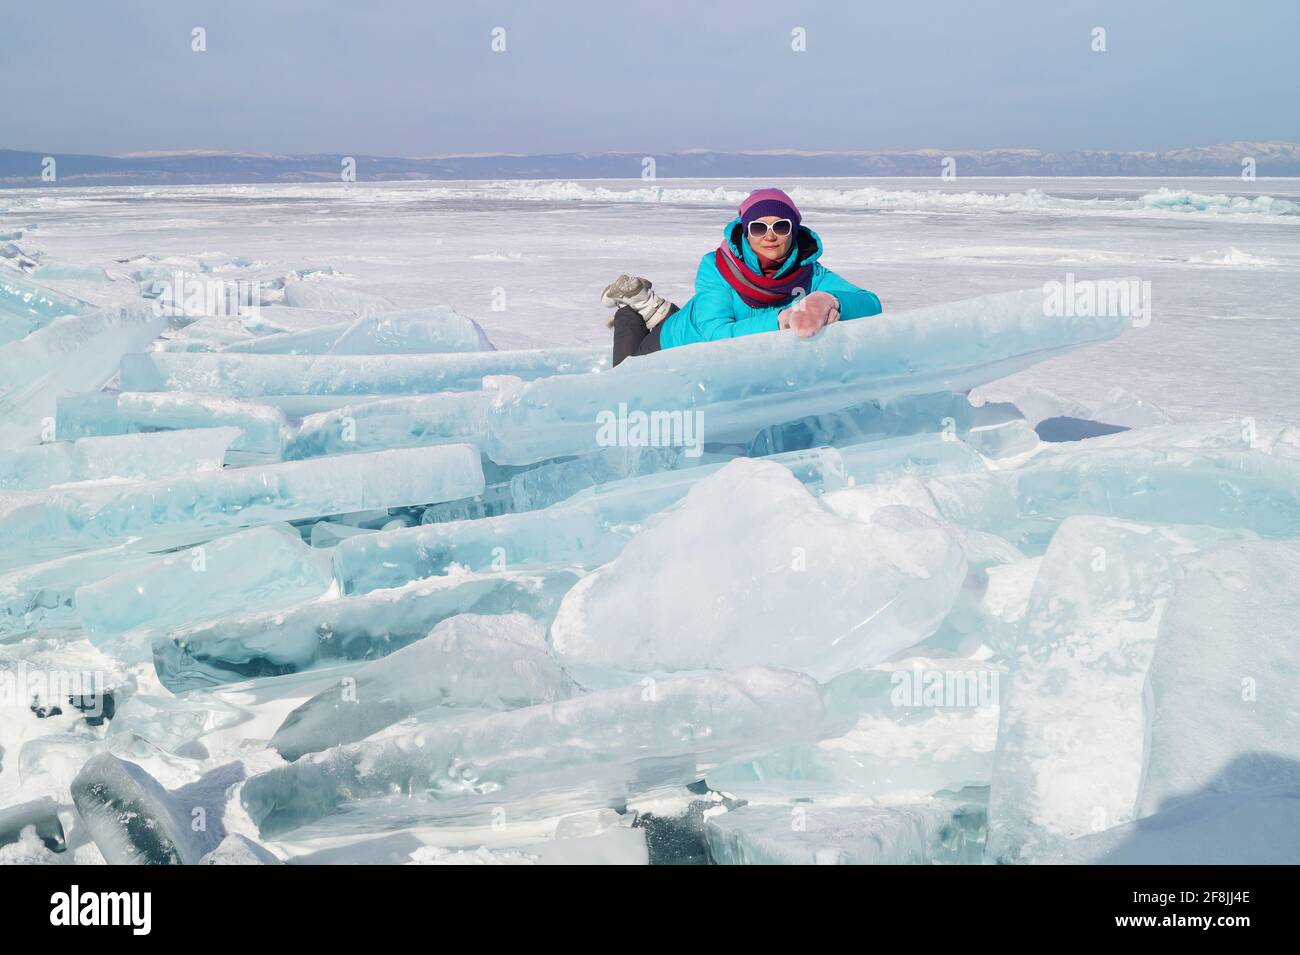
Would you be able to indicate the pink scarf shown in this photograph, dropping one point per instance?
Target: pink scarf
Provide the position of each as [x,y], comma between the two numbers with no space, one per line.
[757,290]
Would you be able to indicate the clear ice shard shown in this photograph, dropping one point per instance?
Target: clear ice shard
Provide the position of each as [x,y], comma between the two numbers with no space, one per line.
[256,569]
[543,406]
[72,353]
[585,531]
[945,413]
[49,525]
[42,595]
[171,723]
[132,818]
[253,376]
[468,661]
[41,815]
[320,632]
[1232,474]
[558,481]
[992,605]
[1070,738]
[919,833]
[52,763]
[437,329]
[133,457]
[676,722]
[1221,702]
[261,427]
[743,385]
[591,527]
[414,421]
[26,306]
[309,341]
[464,416]
[750,568]
[898,732]
[1005,440]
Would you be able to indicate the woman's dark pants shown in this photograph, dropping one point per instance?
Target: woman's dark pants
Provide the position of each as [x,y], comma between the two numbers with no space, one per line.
[630,335]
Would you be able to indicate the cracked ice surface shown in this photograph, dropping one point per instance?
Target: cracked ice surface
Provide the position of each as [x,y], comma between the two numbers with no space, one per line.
[354,574]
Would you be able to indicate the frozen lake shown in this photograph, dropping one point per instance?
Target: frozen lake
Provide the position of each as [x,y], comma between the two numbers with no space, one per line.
[1224,272]
[546,640]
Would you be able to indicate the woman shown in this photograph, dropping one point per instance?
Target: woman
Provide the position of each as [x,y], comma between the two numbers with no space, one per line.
[764,277]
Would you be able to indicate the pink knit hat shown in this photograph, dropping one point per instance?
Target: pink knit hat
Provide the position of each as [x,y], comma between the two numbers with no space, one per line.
[768,202]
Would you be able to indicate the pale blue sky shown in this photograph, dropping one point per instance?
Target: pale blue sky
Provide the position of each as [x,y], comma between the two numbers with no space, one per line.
[406,78]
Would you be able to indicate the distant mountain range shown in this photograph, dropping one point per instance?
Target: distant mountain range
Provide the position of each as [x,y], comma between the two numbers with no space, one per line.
[18,168]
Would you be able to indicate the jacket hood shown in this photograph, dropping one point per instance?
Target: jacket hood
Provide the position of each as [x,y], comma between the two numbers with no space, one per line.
[808,247]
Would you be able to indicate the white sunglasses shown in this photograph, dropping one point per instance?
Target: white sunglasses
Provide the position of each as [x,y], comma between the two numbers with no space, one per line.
[782,227]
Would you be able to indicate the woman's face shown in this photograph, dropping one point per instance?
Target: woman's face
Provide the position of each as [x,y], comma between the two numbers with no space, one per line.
[771,245]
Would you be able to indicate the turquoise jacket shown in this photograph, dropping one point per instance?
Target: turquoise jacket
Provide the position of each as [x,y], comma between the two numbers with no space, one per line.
[716,310]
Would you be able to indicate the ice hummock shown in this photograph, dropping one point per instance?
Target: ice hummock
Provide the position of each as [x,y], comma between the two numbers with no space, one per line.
[40,817]
[750,568]
[176,724]
[261,427]
[547,404]
[469,661]
[26,306]
[133,457]
[1221,712]
[415,421]
[74,518]
[41,595]
[1070,739]
[743,385]
[437,611]
[265,566]
[251,376]
[72,353]
[677,722]
[897,732]
[593,525]
[1235,473]
[317,633]
[133,819]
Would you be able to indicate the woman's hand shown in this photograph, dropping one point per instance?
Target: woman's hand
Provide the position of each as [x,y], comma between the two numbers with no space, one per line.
[808,315]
